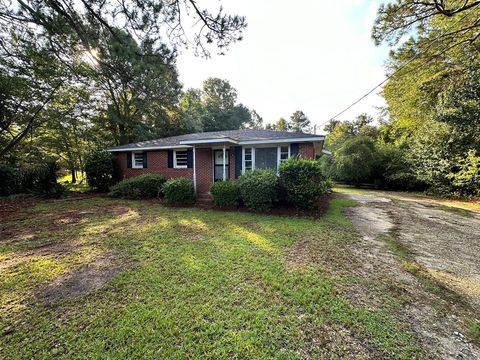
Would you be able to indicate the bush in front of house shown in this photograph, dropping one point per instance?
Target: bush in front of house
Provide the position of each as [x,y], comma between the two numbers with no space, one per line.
[225,194]
[179,191]
[142,186]
[259,189]
[100,167]
[9,180]
[303,181]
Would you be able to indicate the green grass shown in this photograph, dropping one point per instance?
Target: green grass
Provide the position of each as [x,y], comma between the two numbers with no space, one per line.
[80,186]
[456,210]
[475,330]
[197,284]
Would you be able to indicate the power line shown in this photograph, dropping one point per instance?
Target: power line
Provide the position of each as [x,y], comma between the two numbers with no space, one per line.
[396,71]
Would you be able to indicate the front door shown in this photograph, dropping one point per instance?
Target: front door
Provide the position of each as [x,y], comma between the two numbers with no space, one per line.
[218,165]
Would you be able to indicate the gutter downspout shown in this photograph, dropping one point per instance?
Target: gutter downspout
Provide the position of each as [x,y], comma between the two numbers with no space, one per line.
[224,167]
[194,170]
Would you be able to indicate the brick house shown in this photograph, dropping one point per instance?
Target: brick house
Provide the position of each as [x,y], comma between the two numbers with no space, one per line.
[211,156]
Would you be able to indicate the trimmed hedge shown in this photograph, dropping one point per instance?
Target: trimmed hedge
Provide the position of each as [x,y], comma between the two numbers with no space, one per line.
[303,181]
[259,189]
[225,194]
[100,167]
[142,186]
[179,191]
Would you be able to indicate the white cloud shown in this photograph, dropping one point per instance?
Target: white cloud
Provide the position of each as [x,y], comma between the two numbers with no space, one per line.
[302,55]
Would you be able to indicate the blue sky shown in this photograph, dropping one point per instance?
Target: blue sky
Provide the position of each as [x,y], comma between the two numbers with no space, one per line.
[315,56]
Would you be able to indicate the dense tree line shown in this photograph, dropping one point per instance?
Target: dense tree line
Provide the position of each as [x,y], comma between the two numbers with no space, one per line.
[75,76]
[430,137]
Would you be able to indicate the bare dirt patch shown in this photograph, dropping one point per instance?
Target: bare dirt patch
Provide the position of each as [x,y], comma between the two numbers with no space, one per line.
[83,280]
[333,341]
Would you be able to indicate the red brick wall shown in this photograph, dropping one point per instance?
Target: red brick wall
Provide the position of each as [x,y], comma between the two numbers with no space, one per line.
[204,166]
[157,161]
[307,150]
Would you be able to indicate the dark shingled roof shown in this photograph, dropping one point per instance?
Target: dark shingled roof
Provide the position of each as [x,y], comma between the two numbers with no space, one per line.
[237,135]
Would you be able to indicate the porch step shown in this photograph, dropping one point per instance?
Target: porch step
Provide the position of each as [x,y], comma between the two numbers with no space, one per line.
[204,199]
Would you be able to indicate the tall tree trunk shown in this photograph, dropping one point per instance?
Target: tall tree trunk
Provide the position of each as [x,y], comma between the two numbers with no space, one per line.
[74,175]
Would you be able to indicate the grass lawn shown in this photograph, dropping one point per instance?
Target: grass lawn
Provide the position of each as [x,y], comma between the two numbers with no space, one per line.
[184,283]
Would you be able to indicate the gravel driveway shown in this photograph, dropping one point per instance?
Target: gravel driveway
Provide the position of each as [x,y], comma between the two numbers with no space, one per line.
[445,242]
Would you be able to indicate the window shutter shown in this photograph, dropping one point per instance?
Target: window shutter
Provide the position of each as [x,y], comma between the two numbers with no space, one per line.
[294,149]
[129,160]
[190,158]
[170,158]
[144,159]
[238,161]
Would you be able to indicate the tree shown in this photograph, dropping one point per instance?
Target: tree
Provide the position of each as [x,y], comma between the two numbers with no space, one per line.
[46,46]
[399,18]
[140,87]
[192,110]
[282,125]
[256,121]
[355,160]
[221,111]
[82,23]
[30,80]
[299,122]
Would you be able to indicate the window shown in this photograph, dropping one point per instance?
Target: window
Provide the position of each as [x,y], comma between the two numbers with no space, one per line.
[137,160]
[284,153]
[248,159]
[180,159]
[265,157]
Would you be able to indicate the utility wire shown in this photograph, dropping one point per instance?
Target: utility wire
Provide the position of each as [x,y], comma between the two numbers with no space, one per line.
[396,71]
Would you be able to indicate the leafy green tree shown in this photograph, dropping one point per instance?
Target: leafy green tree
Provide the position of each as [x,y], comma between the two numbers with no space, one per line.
[221,111]
[140,86]
[192,110]
[281,125]
[256,121]
[354,162]
[299,122]
[30,80]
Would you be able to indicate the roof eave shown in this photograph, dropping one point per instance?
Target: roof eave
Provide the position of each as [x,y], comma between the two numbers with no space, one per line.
[281,141]
[209,141]
[143,148]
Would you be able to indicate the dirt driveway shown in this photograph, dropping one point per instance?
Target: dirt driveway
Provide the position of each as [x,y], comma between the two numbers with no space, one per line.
[404,237]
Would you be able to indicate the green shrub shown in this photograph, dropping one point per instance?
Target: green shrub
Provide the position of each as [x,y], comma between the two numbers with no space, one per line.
[225,193]
[100,167]
[303,181]
[9,180]
[45,180]
[179,191]
[142,186]
[259,189]
[39,179]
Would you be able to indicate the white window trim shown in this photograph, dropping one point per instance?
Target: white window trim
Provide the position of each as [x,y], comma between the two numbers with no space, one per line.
[279,152]
[134,165]
[175,166]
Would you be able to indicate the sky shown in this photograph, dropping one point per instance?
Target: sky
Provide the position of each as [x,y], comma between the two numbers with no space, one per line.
[309,55]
